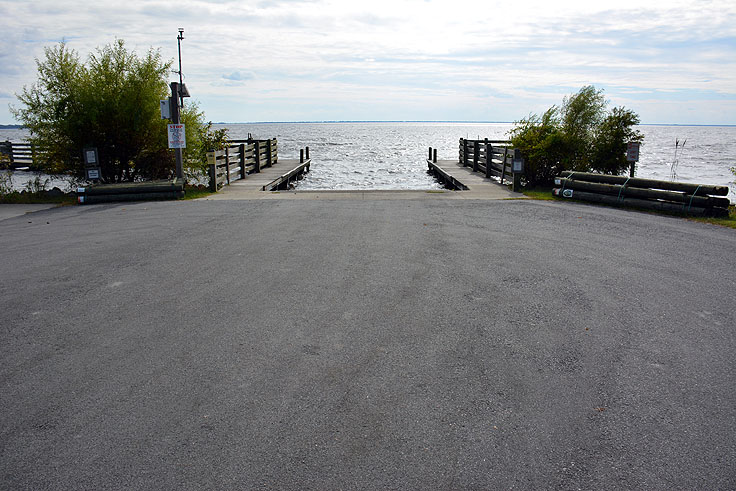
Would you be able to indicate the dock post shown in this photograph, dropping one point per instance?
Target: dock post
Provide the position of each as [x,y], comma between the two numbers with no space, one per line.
[476,155]
[212,168]
[430,153]
[503,167]
[301,155]
[434,159]
[242,160]
[270,152]
[257,151]
[306,151]
[465,153]
[489,159]
[227,164]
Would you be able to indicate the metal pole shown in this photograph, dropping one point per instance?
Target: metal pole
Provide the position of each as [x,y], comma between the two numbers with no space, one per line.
[181,79]
[176,120]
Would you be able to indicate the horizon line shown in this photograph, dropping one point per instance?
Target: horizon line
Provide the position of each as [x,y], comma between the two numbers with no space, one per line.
[337,121]
[438,121]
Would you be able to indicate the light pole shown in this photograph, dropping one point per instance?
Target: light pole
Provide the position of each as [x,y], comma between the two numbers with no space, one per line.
[181,80]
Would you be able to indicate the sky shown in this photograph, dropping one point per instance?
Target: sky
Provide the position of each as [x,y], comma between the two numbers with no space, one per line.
[672,62]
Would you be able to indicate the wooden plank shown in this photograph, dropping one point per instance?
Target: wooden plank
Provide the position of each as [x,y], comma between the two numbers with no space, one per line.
[447,179]
[284,179]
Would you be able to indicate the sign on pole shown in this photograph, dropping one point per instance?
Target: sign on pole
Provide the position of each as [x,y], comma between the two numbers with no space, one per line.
[632,152]
[177,138]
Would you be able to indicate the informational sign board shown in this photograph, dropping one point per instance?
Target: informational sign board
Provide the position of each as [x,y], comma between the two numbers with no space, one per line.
[518,163]
[93,173]
[177,139]
[90,157]
[632,152]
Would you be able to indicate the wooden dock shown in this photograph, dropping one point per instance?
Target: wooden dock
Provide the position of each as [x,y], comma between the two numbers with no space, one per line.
[478,187]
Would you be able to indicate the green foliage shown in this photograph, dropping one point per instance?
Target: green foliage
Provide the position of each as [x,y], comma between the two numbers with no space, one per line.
[111,103]
[610,139]
[201,138]
[6,182]
[578,136]
[542,142]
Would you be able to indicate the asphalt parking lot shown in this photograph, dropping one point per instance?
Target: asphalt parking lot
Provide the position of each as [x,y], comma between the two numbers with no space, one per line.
[370,344]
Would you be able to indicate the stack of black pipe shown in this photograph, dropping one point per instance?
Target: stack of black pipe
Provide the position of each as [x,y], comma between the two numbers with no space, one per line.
[131,191]
[650,194]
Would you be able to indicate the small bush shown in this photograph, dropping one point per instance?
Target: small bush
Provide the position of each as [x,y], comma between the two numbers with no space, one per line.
[579,136]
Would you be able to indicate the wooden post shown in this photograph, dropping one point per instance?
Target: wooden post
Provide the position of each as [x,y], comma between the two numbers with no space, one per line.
[306,150]
[242,160]
[434,159]
[301,155]
[476,155]
[430,153]
[465,152]
[257,151]
[213,177]
[489,158]
[503,166]
[269,156]
[227,165]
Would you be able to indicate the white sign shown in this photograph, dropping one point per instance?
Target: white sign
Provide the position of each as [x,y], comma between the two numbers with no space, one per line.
[632,152]
[91,157]
[177,139]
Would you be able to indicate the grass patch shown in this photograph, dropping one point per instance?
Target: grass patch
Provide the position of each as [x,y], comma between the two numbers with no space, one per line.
[196,192]
[540,193]
[729,221]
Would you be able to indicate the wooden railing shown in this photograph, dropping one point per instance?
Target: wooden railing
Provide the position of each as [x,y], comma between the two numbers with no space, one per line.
[240,158]
[491,157]
[19,154]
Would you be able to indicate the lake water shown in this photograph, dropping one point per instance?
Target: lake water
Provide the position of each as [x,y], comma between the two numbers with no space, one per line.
[393,155]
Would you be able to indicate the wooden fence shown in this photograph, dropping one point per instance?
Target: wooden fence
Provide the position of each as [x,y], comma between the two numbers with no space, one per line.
[19,154]
[651,194]
[240,158]
[491,157]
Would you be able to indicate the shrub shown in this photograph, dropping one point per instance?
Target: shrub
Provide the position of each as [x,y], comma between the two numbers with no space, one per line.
[111,103]
[578,136]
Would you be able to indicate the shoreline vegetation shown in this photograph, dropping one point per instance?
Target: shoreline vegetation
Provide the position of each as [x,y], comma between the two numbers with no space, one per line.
[449,121]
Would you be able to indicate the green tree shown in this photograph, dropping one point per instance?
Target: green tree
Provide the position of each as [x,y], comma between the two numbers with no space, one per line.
[610,139]
[581,113]
[111,103]
[579,135]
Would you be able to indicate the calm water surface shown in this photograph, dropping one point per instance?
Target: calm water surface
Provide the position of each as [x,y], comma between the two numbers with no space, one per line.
[392,155]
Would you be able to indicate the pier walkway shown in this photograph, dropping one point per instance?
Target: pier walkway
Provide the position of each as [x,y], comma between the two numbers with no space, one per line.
[251,188]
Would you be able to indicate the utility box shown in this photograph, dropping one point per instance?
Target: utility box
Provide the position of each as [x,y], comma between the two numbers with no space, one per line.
[165,108]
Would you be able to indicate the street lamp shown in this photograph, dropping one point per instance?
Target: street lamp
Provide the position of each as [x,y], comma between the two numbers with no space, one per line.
[181,80]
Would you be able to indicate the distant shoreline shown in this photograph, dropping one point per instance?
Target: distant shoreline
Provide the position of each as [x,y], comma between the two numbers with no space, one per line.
[21,127]
[445,122]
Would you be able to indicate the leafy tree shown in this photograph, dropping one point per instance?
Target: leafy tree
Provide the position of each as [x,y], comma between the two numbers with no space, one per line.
[611,137]
[579,135]
[542,142]
[111,103]
[581,113]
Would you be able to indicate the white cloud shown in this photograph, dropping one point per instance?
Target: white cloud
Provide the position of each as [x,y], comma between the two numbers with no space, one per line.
[398,59]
